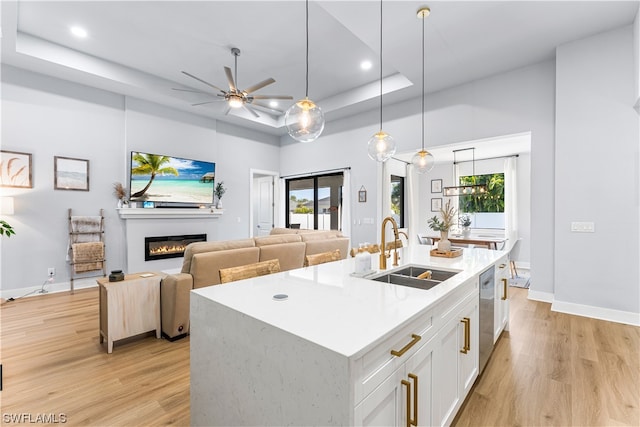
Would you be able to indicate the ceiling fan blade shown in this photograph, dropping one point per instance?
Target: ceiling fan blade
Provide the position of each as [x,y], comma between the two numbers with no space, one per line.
[272,97]
[232,84]
[191,90]
[226,110]
[260,85]
[202,81]
[251,110]
[208,102]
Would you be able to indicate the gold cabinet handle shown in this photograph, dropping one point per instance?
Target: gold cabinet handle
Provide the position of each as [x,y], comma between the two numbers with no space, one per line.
[414,421]
[414,339]
[504,290]
[410,421]
[408,385]
[467,335]
[502,265]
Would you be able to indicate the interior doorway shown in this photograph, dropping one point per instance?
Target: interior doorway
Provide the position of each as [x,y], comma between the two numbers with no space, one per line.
[262,207]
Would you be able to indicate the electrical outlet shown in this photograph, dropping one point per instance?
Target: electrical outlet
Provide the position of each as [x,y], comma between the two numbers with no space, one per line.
[51,271]
[583,227]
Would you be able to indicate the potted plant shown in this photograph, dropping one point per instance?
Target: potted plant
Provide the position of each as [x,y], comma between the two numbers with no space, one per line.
[219,192]
[6,229]
[443,225]
[465,223]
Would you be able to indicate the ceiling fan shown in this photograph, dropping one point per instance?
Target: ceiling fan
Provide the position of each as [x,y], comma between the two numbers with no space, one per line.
[235,97]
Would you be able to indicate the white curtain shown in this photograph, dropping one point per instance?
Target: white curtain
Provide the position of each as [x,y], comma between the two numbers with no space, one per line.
[413,205]
[347,201]
[510,201]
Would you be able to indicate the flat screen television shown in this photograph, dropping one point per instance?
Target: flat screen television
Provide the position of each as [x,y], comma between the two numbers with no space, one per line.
[170,181]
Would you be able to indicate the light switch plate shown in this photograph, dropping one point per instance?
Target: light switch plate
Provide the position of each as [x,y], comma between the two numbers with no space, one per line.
[583,227]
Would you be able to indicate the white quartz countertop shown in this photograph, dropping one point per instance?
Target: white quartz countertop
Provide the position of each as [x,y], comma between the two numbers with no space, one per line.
[329,306]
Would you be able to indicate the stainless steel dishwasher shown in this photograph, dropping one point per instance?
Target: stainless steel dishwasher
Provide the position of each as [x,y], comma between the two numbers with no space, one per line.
[487,295]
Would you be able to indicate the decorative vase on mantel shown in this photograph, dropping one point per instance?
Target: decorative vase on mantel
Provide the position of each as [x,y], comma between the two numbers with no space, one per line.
[466,232]
[444,244]
[219,204]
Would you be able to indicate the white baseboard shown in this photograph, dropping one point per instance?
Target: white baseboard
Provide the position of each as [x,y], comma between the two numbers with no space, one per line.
[601,313]
[50,288]
[540,296]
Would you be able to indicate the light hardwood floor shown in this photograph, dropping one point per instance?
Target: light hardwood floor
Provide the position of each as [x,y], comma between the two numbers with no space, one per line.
[550,369]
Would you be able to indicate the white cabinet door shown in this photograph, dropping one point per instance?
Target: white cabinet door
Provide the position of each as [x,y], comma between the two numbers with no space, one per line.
[419,370]
[501,304]
[455,362]
[469,357]
[446,378]
[384,405]
[404,398]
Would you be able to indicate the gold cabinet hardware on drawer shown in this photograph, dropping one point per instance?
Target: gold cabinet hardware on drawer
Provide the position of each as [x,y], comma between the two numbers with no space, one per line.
[414,339]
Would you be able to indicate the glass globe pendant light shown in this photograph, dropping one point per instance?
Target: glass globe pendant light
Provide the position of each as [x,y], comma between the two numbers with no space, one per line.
[381,146]
[304,119]
[423,161]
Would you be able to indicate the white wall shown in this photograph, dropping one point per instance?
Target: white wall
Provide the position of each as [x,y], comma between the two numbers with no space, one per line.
[597,140]
[47,116]
[636,58]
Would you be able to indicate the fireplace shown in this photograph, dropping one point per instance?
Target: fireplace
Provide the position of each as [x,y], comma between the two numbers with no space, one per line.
[162,247]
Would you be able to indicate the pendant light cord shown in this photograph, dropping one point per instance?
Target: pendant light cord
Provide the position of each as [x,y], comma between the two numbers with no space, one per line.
[381,65]
[306,89]
[423,19]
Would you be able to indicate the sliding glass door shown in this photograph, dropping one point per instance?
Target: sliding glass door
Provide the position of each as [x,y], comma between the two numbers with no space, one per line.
[315,202]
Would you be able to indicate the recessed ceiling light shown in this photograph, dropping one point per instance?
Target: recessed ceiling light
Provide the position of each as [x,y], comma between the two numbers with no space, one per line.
[366,65]
[79,32]
[273,104]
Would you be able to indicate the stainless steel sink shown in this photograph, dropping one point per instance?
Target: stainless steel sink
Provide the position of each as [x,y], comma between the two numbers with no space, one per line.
[399,279]
[408,276]
[415,271]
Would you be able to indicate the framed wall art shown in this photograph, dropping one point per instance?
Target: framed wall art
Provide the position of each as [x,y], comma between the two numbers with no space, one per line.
[436,186]
[436,205]
[15,169]
[362,195]
[70,174]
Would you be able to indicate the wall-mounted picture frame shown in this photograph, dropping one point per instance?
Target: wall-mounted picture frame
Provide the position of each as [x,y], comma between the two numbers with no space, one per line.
[70,174]
[436,205]
[362,195]
[436,186]
[15,169]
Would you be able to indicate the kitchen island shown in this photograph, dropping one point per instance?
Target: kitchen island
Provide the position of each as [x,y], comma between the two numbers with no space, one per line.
[339,349]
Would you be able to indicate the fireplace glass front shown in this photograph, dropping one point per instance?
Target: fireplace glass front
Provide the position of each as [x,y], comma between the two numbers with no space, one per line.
[162,247]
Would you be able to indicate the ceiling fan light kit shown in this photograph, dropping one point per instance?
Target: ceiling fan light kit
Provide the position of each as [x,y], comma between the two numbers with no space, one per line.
[234,97]
[423,161]
[304,119]
[381,145]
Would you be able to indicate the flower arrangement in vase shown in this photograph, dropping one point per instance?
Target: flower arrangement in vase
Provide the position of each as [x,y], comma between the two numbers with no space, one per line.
[443,225]
[121,194]
[465,223]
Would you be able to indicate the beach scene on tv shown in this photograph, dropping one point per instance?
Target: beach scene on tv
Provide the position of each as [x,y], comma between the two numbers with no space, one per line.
[159,178]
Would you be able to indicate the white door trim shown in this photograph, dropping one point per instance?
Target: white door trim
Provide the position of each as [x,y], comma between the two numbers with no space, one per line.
[255,173]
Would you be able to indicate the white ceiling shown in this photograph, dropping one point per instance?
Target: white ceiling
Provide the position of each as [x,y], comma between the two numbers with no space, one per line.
[140,48]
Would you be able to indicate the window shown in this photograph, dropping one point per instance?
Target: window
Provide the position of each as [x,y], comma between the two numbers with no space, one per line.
[315,202]
[397,199]
[486,210]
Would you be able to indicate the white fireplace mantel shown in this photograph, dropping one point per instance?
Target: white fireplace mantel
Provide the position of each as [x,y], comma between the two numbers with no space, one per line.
[162,213]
